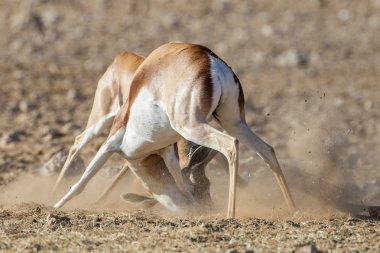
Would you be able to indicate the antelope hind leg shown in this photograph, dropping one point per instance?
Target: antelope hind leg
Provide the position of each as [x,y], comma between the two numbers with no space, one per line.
[267,153]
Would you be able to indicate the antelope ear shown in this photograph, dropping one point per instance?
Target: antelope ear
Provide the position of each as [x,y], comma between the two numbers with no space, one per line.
[138,200]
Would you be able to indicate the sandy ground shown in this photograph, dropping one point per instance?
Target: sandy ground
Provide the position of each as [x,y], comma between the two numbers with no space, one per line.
[310,71]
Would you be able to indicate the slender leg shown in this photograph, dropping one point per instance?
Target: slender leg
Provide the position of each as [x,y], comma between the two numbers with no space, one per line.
[205,135]
[222,161]
[80,141]
[201,183]
[233,165]
[171,161]
[113,184]
[170,158]
[197,160]
[267,153]
[97,162]
[103,154]
[73,153]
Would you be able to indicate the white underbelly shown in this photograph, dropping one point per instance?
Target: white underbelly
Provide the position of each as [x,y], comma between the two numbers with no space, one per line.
[148,130]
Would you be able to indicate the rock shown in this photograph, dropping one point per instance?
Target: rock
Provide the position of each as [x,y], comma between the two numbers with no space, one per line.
[292,58]
[26,106]
[75,95]
[15,136]
[55,164]
[197,238]
[50,133]
[302,58]
[13,107]
[374,211]
[307,249]
[232,251]
[287,59]
[53,220]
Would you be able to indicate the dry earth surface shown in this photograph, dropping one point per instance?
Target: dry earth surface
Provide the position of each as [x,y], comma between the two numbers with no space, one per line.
[310,71]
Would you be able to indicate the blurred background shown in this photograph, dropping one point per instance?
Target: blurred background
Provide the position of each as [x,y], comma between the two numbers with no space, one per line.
[310,71]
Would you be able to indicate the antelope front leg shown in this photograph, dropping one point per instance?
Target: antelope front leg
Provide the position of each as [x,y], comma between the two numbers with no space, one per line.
[168,154]
[80,141]
[73,153]
[99,160]
[104,153]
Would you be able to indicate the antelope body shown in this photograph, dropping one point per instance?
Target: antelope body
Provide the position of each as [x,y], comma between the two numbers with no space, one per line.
[174,94]
[112,91]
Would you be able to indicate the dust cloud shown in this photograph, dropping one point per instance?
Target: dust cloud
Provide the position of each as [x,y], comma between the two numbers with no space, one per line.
[32,187]
[317,160]
[320,162]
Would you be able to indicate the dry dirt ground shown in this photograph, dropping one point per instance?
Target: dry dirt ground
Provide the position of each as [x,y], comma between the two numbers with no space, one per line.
[310,71]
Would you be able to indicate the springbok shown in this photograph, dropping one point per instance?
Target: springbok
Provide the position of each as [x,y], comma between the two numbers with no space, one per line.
[112,91]
[174,94]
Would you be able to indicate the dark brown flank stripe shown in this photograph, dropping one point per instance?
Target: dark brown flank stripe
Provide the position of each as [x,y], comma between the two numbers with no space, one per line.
[241,99]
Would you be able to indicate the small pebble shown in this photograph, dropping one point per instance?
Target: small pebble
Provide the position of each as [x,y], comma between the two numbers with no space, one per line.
[15,136]
[50,133]
[52,220]
[75,95]
[307,249]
